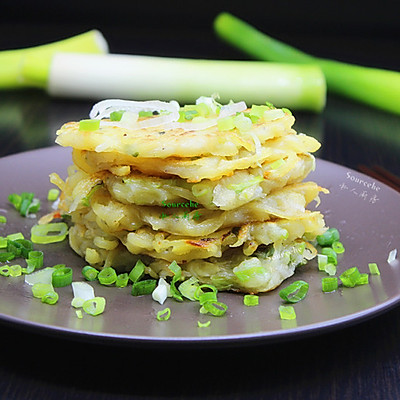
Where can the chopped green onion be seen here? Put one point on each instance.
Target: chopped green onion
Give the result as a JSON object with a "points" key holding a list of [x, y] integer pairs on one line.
{"points": [[122, 280], [15, 270], [90, 273], [52, 194], [350, 277], [62, 277], [294, 292], [40, 289], [15, 236], [144, 287], [200, 292], [137, 271], [242, 122], [117, 115], [26, 246], [35, 260], [329, 284], [177, 271], [77, 302], [189, 287], [50, 297], [322, 261], [7, 256], [239, 187], [287, 312], [226, 124], [3, 242], [338, 247], [49, 233], [44, 275], [3, 219], [14, 247], [363, 279], [89, 124], [215, 308], [330, 269], [277, 164], [373, 269], [79, 314], [5, 270], [331, 254], [250, 300], [107, 276], [203, 324], [329, 237], [164, 315], [94, 306], [93, 190]]}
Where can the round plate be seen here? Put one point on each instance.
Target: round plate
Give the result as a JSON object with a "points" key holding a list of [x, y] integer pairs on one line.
{"points": [[364, 210]]}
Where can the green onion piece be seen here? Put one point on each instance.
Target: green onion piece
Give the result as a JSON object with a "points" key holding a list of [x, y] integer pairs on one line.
{"points": [[189, 287], [329, 237], [137, 271], [226, 124], [89, 125], [62, 277], [164, 315], [143, 114], [93, 190], [50, 297], [117, 115], [203, 324], [79, 314], [94, 306], [3, 242], [177, 271], [26, 247], [199, 291], [242, 122], [277, 164], [322, 261], [215, 308], [7, 256], [363, 279], [15, 200], [330, 269], [122, 280], [207, 297], [40, 289], [15, 270], [52, 194], [5, 270], [77, 302], [331, 254], [294, 292], [14, 247], [287, 312], [373, 269], [144, 287], [239, 187], [35, 260], [338, 247], [107, 276], [49, 233], [329, 284], [250, 300], [90, 273], [3, 219], [15, 236], [26, 200], [350, 277]]}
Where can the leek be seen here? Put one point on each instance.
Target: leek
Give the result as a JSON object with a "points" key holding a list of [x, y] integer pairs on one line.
{"points": [[376, 87], [126, 76], [17, 67]]}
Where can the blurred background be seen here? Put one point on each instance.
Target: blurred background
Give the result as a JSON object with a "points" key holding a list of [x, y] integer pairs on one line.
{"points": [[359, 32]]}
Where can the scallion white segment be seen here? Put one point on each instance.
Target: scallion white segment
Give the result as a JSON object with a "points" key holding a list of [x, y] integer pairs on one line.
{"points": [[82, 290], [392, 256], [143, 77], [42, 276], [162, 291]]}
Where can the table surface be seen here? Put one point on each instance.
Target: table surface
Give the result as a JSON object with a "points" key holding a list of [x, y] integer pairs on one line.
{"points": [[356, 362]]}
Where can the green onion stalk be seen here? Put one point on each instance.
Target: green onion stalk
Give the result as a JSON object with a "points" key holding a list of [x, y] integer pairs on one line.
{"points": [[376, 87], [15, 64]]}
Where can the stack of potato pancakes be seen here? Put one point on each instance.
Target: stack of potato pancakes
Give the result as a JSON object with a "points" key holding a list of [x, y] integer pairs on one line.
{"points": [[217, 188]]}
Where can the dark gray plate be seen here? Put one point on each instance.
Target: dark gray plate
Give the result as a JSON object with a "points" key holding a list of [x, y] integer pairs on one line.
{"points": [[365, 211]]}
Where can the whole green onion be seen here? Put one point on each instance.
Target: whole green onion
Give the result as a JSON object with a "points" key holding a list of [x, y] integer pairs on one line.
{"points": [[90, 273], [294, 292], [107, 276], [62, 277], [376, 87]]}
